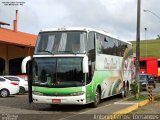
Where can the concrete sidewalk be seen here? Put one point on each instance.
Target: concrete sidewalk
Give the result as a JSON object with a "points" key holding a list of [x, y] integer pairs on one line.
{"points": [[153, 108], [120, 108], [110, 111]]}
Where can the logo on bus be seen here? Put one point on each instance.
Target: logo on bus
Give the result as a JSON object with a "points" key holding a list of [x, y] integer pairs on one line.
{"points": [[110, 64], [55, 93]]}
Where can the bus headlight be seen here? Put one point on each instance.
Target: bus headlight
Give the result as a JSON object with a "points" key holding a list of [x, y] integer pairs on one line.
{"points": [[77, 93], [38, 93]]}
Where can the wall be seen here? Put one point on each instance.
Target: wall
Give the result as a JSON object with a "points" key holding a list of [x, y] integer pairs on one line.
{"points": [[8, 52]]}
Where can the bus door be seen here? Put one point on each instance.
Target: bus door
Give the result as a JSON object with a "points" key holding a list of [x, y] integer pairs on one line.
{"points": [[89, 83]]}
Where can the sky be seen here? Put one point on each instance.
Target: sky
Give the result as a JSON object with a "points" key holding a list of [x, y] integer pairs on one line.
{"points": [[118, 17]]}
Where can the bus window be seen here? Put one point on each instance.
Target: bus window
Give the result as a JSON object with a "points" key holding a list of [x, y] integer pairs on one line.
{"points": [[91, 46], [110, 46], [123, 47]]}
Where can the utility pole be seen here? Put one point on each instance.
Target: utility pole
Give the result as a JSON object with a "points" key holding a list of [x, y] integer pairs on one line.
{"points": [[138, 46], [146, 39]]}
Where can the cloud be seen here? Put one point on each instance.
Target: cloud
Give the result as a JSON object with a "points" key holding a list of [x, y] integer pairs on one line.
{"points": [[115, 16]]}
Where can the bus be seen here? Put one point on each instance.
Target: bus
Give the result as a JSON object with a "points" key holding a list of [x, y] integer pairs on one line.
{"points": [[76, 65]]}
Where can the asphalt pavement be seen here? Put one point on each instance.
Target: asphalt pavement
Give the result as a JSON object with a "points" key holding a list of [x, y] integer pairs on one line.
{"points": [[18, 108]]}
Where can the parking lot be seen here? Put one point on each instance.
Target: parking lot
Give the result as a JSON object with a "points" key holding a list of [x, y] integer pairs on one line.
{"points": [[17, 107]]}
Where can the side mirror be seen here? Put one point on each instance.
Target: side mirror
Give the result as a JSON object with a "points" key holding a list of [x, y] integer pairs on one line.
{"points": [[24, 64], [85, 64]]}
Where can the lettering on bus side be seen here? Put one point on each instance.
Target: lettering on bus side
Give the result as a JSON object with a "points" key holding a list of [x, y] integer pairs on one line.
{"points": [[110, 64]]}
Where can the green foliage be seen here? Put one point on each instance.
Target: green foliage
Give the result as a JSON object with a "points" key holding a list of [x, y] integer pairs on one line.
{"points": [[141, 97], [148, 48], [134, 88]]}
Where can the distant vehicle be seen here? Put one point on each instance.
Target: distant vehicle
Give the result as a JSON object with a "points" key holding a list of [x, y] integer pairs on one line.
{"points": [[143, 81], [146, 80], [8, 87], [23, 84], [159, 69], [150, 66], [23, 76], [152, 81]]}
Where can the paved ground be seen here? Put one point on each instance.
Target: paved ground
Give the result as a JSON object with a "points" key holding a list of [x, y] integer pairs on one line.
{"points": [[147, 112], [17, 108], [153, 108]]}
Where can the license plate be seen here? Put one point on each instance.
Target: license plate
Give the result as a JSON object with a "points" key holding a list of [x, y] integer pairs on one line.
{"points": [[56, 100]]}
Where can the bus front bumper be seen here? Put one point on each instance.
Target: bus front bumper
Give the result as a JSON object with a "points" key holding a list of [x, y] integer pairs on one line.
{"points": [[77, 100]]}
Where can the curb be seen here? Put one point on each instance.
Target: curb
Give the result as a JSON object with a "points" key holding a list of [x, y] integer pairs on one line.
{"points": [[143, 103], [127, 110]]}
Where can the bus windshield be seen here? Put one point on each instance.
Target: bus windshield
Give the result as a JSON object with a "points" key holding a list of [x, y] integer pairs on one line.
{"points": [[61, 42], [58, 72]]}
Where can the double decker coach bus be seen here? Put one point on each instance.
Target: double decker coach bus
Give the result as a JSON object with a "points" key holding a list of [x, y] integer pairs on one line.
{"points": [[78, 66]]}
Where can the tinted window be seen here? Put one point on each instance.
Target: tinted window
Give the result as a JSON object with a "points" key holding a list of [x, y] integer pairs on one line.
{"points": [[158, 63], [1, 80], [58, 72], [91, 46], [12, 78], [61, 42], [122, 47], [143, 77], [110, 46], [99, 42], [142, 64]]}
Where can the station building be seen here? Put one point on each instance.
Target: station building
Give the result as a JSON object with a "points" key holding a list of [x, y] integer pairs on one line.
{"points": [[14, 47]]}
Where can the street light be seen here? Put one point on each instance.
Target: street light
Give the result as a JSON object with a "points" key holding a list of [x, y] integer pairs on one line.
{"points": [[152, 13]]}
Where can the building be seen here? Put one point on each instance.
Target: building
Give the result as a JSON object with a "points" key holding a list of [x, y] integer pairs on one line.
{"points": [[14, 47]]}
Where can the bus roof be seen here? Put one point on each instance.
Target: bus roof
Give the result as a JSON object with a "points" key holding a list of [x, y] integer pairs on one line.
{"points": [[87, 29]]}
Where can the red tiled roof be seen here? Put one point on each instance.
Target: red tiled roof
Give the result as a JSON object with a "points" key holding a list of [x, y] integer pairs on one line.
{"points": [[17, 38]]}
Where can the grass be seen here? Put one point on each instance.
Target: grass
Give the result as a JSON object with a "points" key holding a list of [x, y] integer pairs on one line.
{"points": [[141, 97], [148, 48]]}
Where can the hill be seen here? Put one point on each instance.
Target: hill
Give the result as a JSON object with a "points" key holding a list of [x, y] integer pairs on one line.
{"points": [[148, 48]]}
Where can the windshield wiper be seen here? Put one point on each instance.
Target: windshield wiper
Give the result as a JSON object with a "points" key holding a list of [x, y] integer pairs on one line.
{"points": [[48, 52], [72, 52]]}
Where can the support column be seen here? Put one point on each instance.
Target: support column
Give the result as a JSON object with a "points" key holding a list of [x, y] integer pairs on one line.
{"points": [[7, 61]]}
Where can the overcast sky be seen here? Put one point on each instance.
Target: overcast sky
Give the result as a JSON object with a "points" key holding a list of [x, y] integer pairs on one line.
{"points": [[117, 17]]}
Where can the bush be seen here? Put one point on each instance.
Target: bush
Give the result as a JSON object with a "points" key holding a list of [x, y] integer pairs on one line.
{"points": [[134, 88]]}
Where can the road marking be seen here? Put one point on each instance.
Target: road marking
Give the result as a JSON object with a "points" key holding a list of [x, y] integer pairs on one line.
{"points": [[125, 103], [84, 112]]}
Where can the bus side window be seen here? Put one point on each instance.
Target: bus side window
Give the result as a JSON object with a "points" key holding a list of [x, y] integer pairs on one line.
{"points": [[99, 39], [91, 46]]}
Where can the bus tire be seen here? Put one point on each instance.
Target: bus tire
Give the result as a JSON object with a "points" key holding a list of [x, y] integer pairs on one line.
{"points": [[124, 91], [123, 94], [127, 90], [97, 98]]}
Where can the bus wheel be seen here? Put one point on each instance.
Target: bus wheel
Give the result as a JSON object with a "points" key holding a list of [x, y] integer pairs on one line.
{"points": [[126, 90], [97, 98], [123, 93]]}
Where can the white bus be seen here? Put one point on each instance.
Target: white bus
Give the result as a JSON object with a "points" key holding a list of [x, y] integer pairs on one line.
{"points": [[79, 66]]}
